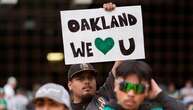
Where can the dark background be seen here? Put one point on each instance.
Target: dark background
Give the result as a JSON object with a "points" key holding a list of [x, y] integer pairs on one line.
{"points": [[31, 28]]}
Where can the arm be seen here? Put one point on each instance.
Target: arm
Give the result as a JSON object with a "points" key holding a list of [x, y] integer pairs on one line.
{"points": [[106, 92], [168, 103], [108, 87], [104, 95]]}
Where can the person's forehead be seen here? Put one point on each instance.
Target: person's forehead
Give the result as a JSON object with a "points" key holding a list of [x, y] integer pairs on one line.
{"points": [[134, 78], [45, 100], [49, 101]]}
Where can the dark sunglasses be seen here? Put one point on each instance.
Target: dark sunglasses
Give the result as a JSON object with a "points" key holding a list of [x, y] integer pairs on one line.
{"points": [[127, 86]]}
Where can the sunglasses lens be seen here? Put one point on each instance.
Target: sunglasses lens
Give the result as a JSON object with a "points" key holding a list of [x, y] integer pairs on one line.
{"points": [[127, 86], [140, 88]]}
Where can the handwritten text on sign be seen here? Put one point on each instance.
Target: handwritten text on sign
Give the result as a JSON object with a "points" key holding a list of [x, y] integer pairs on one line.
{"points": [[96, 35]]}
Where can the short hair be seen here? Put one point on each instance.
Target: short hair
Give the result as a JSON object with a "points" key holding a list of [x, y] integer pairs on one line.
{"points": [[139, 68]]}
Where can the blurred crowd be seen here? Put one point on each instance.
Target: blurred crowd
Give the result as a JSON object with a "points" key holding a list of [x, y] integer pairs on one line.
{"points": [[20, 99], [184, 94]]}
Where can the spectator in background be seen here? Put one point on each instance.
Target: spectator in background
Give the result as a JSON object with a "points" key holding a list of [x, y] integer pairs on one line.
{"points": [[52, 97], [31, 94], [171, 89], [3, 103], [19, 101], [9, 87], [187, 92]]}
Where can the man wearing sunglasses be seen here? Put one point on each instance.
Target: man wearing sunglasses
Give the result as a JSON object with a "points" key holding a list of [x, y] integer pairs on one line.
{"points": [[133, 84]]}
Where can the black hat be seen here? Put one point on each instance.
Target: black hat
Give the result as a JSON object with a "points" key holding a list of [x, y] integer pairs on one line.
{"points": [[79, 68]]}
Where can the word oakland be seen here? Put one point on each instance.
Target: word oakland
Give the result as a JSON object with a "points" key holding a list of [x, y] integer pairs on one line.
{"points": [[92, 23]]}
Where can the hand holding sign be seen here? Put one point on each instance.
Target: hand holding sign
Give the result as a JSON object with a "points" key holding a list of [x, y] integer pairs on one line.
{"points": [[96, 35], [109, 6]]}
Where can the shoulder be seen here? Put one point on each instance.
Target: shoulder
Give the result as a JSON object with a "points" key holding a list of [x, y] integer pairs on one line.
{"points": [[151, 105]]}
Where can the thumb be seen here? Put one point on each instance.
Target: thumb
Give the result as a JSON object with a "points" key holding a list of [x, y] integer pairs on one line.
{"points": [[155, 89]]}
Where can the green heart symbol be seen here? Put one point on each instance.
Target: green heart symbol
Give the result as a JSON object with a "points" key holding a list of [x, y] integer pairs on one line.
{"points": [[104, 45]]}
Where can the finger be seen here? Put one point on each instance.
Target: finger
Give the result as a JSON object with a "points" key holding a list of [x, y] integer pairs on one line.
{"points": [[114, 6], [156, 89], [111, 6], [105, 6], [108, 7], [153, 83]]}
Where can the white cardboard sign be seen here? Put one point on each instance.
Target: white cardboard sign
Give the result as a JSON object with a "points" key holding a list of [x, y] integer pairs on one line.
{"points": [[96, 35]]}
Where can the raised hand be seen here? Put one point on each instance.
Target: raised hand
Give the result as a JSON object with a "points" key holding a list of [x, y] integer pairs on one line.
{"points": [[155, 90], [109, 6]]}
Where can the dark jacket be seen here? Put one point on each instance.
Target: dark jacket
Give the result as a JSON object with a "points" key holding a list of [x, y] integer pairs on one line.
{"points": [[104, 95], [105, 92], [80, 106], [162, 102]]}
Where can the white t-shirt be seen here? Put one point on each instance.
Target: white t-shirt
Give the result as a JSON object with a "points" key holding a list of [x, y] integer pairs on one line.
{"points": [[18, 102], [187, 94], [9, 91]]}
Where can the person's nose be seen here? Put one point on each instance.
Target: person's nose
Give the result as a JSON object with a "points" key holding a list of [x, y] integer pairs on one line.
{"points": [[87, 81], [45, 108], [131, 93]]}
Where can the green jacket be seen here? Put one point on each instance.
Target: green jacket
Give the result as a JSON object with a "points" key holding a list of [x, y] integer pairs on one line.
{"points": [[3, 103]]}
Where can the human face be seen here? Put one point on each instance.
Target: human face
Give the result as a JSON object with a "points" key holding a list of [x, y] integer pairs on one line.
{"points": [[83, 84], [48, 104], [130, 100]]}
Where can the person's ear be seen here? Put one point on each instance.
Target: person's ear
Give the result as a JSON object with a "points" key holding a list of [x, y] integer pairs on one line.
{"points": [[69, 85], [116, 83], [147, 93], [115, 86]]}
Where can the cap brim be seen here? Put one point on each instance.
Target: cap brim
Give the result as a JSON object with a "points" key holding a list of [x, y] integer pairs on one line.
{"points": [[38, 98], [64, 103], [78, 72]]}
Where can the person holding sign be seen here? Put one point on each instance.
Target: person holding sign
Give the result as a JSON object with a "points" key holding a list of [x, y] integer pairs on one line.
{"points": [[82, 83], [133, 84], [82, 86]]}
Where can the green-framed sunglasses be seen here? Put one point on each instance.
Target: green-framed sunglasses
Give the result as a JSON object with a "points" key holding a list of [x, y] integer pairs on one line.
{"points": [[127, 86]]}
